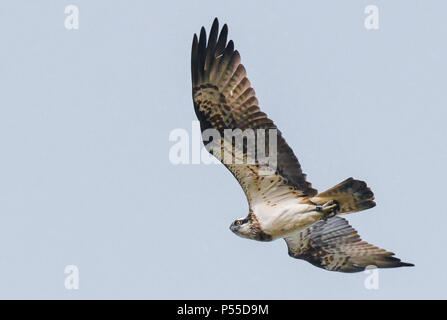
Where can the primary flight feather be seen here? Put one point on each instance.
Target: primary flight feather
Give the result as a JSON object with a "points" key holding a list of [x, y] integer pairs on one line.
{"points": [[282, 203]]}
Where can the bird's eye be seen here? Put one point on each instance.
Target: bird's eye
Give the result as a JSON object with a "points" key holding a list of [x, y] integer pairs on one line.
{"points": [[238, 222]]}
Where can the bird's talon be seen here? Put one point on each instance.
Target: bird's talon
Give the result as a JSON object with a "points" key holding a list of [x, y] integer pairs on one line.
{"points": [[329, 209]]}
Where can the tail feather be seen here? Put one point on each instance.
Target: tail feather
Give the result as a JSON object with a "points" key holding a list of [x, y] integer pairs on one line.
{"points": [[351, 195]]}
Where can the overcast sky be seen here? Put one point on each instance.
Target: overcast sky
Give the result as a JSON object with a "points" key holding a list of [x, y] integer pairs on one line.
{"points": [[85, 116]]}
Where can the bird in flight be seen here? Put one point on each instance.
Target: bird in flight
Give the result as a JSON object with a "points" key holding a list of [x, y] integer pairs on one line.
{"points": [[282, 204]]}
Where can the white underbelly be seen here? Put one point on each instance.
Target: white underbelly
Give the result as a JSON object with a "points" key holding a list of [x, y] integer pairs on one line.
{"points": [[285, 217]]}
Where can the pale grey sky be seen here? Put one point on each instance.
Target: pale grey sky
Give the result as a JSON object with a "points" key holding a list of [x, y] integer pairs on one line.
{"points": [[85, 116]]}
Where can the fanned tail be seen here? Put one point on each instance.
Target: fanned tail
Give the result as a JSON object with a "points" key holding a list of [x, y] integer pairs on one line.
{"points": [[351, 195]]}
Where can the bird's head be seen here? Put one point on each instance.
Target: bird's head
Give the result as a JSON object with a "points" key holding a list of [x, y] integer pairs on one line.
{"points": [[243, 228]]}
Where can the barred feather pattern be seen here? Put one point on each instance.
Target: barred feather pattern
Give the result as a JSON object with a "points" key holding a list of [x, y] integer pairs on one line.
{"points": [[334, 245], [224, 99]]}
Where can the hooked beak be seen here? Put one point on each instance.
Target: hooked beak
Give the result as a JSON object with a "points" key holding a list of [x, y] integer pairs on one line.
{"points": [[234, 228]]}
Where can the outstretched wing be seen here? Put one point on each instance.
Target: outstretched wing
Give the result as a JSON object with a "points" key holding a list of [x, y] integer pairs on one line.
{"points": [[334, 245], [224, 99]]}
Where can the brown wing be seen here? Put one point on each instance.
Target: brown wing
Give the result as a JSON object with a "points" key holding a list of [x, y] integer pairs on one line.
{"points": [[224, 99], [334, 245]]}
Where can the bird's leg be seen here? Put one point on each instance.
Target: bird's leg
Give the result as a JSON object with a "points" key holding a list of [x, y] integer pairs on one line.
{"points": [[329, 209]]}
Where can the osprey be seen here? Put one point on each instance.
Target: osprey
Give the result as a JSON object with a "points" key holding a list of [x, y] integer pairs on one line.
{"points": [[282, 204]]}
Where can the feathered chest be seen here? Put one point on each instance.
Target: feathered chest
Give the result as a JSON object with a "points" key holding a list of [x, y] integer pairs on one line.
{"points": [[285, 217]]}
